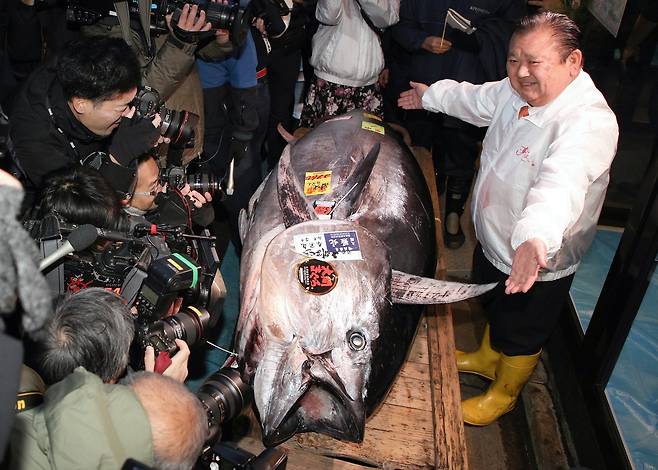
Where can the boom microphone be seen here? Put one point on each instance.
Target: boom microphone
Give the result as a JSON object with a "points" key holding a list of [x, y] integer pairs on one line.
{"points": [[79, 239]]}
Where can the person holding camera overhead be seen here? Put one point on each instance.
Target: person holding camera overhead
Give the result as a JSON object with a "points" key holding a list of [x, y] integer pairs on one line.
{"points": [[167, 52]]}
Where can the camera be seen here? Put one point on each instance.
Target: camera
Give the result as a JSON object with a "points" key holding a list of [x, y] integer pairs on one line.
{"points": [[178, 126], [177, 177], [189, 325], [220, 16], [223, 396]]}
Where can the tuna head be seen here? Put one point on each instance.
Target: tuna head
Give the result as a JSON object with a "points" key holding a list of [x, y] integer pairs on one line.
{"points": [[318, 319]]}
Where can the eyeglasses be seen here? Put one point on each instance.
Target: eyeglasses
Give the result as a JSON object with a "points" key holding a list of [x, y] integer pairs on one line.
{"points": [[147, 193], [153, 192]]}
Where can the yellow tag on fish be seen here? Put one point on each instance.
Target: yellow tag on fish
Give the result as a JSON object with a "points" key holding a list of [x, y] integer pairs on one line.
{"points": [[372, 116], [371, 126], [317, 182]]}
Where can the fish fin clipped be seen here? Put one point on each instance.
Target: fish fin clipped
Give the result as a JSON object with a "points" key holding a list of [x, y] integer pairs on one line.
{"points": [[294, 206], [409, 289]]}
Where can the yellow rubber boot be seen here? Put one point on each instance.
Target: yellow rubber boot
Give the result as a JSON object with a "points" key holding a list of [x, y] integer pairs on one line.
{"points": [[482, 362], [512, 374]]}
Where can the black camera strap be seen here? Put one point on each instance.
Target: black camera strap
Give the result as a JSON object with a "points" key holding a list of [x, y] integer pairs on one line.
{"points": [[49, 108]]}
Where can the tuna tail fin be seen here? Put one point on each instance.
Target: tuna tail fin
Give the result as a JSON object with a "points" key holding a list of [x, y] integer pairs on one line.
{"points": [[409, 289]]}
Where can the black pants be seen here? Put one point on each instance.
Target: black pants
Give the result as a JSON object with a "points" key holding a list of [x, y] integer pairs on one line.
{"points": [[282, 73], [520, 323], [220, 105]]}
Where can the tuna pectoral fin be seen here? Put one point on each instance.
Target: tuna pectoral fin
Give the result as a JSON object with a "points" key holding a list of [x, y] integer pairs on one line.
{"points": [[410, 289]]}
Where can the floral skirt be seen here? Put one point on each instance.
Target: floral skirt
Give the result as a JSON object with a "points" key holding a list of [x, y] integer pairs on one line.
{"points": [[326, 99]]}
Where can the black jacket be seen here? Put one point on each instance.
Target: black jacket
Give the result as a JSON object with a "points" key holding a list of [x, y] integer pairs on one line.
{"points": [[38, 148], [475, 58]]}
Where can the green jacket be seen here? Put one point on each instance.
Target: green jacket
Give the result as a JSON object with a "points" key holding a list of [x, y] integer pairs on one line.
{"points": [[82, 424]]}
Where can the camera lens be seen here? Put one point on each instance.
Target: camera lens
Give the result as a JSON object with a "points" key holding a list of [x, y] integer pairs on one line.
{"points": [[221, 16], [203, 182], [189, 324], [177, 125], [223, 395]]}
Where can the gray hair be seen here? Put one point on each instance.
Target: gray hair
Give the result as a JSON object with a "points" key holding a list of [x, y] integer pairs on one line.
{"points": [[92, 328], [565, 30], [179, 426]]}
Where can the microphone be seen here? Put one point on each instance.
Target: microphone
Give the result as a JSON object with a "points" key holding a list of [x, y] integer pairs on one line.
{"points": [[79, 239]]}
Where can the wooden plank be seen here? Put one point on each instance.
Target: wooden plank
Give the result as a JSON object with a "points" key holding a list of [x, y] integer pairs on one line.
{"points": [[449, 439]]}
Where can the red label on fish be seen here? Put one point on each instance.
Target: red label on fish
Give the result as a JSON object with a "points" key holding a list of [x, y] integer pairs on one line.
{"points": [[317, 276]]}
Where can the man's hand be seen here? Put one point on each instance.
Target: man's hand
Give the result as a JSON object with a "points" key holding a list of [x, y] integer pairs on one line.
{"points": [[134, 137], [259, 23], [529, 257], [196, 197], [189, 21], [177, 370], [413, 99], [436, 45]]}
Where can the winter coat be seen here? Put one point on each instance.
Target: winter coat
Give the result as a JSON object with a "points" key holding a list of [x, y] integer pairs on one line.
{"points": [[475, 58], [82, 424], [346, 50]]}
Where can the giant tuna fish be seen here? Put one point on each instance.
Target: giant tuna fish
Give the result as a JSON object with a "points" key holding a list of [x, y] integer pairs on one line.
{"points": [[334, 242]]}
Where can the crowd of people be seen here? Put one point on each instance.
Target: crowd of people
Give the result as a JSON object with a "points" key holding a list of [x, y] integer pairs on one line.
{"points": [[500, 87]]}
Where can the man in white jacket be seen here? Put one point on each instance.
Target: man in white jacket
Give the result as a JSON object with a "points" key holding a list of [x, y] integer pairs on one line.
{"points": [[543, 174]]}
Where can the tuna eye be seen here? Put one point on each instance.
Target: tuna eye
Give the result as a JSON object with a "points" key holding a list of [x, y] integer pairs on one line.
{"points": [[356, 340]]}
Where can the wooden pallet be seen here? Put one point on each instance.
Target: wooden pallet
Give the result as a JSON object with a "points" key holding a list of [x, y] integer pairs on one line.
{"points": [[419, 425]]}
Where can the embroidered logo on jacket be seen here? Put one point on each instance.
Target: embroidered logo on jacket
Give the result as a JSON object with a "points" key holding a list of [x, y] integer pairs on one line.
{"points": [[523, 153]]}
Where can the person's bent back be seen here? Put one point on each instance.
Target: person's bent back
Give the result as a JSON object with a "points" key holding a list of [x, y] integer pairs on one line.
{"points": [[85, 424]]}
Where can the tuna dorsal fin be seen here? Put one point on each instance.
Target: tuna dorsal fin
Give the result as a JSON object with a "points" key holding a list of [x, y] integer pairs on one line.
{"points": [[350, 189], [410, 289], [294, 205]]}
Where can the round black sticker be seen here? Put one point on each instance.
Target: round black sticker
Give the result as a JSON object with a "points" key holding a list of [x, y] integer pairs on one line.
{"points": [[317, 276]]}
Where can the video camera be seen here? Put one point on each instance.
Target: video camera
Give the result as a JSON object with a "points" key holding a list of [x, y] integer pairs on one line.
{"points": [[126, 264]]}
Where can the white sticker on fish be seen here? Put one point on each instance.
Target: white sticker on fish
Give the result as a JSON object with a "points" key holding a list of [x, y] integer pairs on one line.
{"points": [[340, 246]]}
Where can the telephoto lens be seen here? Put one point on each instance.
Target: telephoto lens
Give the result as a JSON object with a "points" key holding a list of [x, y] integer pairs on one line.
{"points": [[223, 395], [189, 324], [178, 126], [203, 182]]}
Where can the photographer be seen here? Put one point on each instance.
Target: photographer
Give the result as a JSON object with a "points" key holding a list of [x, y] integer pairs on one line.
{"points": [[85, 423], [150, 201], [167, 57], [78, 107], [94, 329], [81, 195]]}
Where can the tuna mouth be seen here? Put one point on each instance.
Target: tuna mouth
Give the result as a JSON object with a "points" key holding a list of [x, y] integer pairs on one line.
{"points": [[320, 409]]}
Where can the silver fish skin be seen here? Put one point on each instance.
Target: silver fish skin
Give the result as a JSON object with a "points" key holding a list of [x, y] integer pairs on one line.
{"points": [[323, 363]]}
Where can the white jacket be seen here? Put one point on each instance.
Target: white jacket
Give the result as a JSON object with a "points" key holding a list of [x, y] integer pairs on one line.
{"points": [[345, 49], [542, 176]]}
